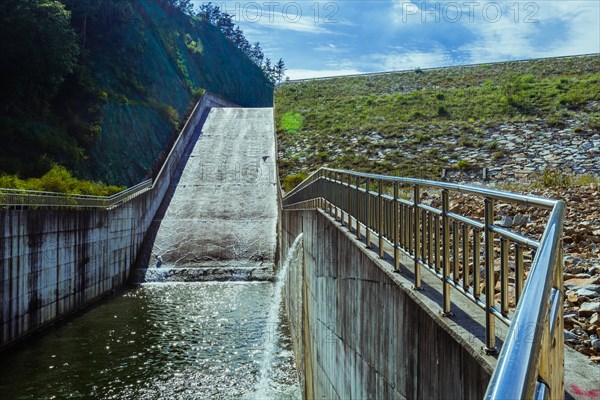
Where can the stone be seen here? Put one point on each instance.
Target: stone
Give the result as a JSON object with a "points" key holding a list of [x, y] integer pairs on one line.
{"points": [[587, 293], [594, 288], [570, 336], [588, 309], [521, 219], [572, 297], [596, 345], [577, 281], [506, 222], [595, 319]]}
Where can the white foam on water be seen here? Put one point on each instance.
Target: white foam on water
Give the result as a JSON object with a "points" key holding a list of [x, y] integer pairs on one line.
{"points": [[266, 387]]}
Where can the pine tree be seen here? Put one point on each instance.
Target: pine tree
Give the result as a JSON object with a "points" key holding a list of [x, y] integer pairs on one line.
{"points": [[279, 71]]}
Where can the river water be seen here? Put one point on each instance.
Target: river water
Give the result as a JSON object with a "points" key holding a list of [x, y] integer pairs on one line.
{"points": [[162, 341]]}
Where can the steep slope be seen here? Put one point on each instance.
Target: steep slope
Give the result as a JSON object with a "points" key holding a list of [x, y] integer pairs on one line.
{"points": [[164, 73], [142, 65]]}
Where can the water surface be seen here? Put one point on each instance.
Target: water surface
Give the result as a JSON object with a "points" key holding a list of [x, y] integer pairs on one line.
{"points": [[161, 341]]}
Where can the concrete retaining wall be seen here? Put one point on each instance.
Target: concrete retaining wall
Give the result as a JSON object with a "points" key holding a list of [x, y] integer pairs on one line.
{"points": [[361, 329], [53, 262]]}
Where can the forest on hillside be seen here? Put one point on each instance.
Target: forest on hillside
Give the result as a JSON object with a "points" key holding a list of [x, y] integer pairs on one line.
{"points": [[99, 87]]}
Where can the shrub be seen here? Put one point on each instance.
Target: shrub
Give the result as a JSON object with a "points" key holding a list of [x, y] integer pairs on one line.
{"points": [[198, 92], [422, 137], [59, 180], [555, 179], [555, 121], [497, 155], [291, 181], [442, 112], [292, 122], [594, 123], [463, 164]]}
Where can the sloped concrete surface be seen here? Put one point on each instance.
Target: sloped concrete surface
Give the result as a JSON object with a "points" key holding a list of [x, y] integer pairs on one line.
{"points": [[222, 216]]}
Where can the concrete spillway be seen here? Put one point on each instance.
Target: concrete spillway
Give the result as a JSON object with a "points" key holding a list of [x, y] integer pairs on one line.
{"points": [[221, 220]]}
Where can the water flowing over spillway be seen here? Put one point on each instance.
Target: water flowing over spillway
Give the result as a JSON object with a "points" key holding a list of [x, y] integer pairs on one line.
{"points": [[220, 222]]}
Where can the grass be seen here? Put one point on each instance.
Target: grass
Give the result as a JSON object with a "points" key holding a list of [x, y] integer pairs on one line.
{"points": [[551, 179], [410, 123]]}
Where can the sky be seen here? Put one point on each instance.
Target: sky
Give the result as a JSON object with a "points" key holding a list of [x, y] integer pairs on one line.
{"points": [[329, 38]]}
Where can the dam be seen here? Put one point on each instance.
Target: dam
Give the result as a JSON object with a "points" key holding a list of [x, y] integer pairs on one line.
{"points": [[349, 286]]}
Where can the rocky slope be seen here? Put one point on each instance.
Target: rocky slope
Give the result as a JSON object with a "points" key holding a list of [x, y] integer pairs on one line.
{"points": [[582, 255]]}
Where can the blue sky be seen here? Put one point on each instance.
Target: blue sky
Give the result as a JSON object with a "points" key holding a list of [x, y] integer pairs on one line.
{"points": [[326, 38]]}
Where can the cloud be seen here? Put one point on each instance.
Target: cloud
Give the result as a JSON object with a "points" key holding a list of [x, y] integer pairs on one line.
{"points": [[330, 48], [493, 31], [319, 73], [412, 59], [285, 16]]}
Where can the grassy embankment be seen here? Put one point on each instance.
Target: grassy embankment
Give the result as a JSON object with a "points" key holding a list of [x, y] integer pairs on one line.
{"points": [[409, 123]]}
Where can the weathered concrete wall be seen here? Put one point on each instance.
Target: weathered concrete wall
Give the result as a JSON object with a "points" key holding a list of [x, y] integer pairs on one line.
{"points": [[53, 262], [365, 332]]}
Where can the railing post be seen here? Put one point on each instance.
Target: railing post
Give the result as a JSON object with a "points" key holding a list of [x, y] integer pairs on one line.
{"points": [[436, 243], [336, 195], [465, 257], [455, 244], [504, 276], [380, 206], [368, 213], [350, 205], [396, 229], [430, 241], [446, 252], [417, 197], [357, 216], [401, 224], [341, 197], [490, 284], [558, 381], [519, 273], [476, 263]]}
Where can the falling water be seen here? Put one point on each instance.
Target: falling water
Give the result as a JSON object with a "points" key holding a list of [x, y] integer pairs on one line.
{"points": [[266, 387]]}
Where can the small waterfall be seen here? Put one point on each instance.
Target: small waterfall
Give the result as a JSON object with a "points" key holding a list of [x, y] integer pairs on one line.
{"points": [[264, 389]]}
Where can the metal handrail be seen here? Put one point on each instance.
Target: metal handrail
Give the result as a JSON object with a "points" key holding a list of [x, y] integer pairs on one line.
{"points": [[448, 245]]}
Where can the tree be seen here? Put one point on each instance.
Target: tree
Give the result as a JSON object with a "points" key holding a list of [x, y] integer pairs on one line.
{"points": [[268, 70], [279, 71], [226, 25], [185, 6], [209, 12], [39, 48]]}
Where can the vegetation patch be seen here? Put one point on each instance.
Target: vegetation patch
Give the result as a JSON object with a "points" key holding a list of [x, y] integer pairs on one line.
{"points": [[291, 122], [415, 123], [59, 180]]}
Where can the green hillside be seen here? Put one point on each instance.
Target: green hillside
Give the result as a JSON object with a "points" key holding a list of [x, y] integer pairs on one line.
{"points": [[415, 123], [122, 93]]}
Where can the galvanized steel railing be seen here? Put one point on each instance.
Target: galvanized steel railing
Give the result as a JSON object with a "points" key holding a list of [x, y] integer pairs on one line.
{"points": [[453, 247], [32, 198]]}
